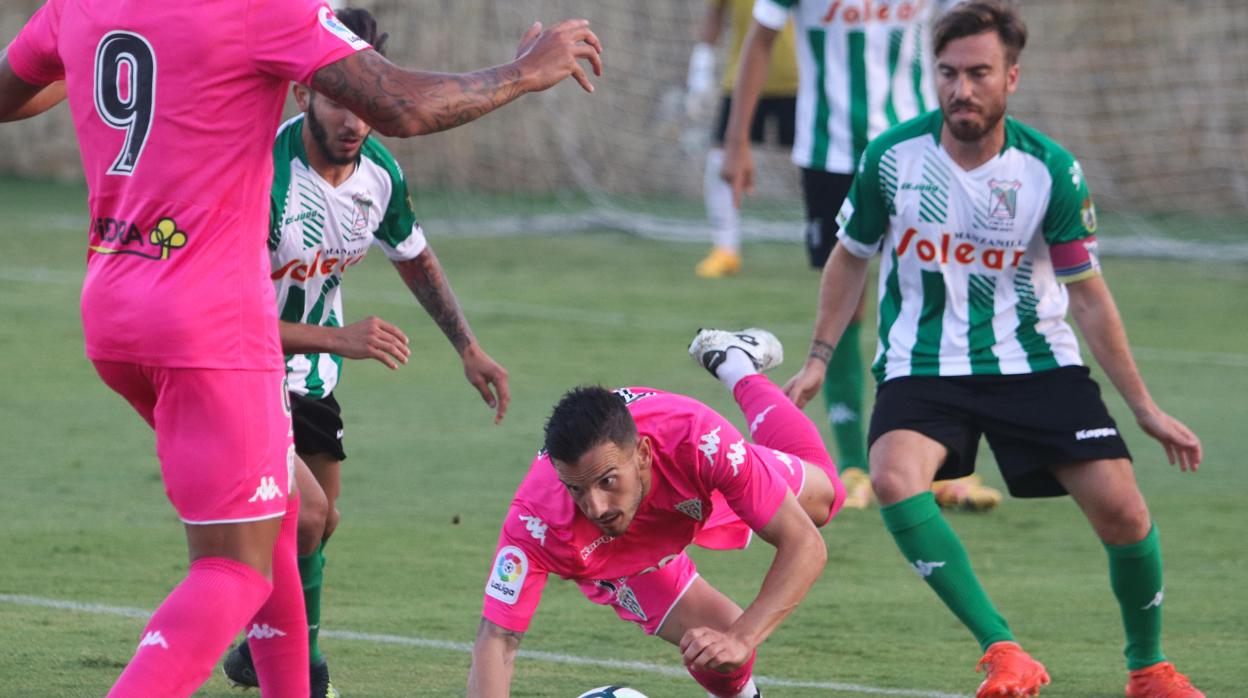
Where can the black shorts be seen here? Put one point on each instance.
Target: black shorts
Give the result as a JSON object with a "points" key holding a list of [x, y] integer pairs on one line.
{"points": [[1033, 422], [318, 425], [782, 111], [824, 192]]}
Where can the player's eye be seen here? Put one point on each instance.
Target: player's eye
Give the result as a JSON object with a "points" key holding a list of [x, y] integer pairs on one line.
{"points": [[608, 482]]}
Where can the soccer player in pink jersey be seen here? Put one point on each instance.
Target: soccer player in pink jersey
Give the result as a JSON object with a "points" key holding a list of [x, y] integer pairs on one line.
{"points": [[628, 479], [175, 105]]}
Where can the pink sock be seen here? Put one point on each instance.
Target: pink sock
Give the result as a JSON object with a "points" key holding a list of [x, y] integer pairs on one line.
{"points": [[278, 634], [192, 629], [775, 422], [725, 685]]}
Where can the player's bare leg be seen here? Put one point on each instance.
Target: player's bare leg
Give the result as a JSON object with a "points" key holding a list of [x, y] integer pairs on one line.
{"points": [[903, 464], [704, 606], [1107, 493]]}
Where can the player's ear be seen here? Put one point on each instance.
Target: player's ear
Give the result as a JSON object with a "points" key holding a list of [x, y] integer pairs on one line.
{"points": [[303, 96], [1011, 78], [645, 453]]}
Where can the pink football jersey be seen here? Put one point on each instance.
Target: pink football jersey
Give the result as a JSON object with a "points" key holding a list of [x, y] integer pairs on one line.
{"points": [[175, 105], [700, 459]]}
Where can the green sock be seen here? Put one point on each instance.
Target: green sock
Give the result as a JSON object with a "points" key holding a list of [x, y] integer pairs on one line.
{"points": [[842, 392], [935, 553], [1135, 577], [311, 571]]}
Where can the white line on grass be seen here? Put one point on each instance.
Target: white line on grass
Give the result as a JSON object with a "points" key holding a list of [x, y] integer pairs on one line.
{"points": [[466, 648], [536, 311]]}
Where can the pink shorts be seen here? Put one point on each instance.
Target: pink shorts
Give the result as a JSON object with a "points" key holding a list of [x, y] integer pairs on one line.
{"points": [[723, 530], [223, 437], [648, 597]]}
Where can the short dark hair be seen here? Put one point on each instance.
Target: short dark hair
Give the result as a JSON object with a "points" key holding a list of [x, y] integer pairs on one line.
{"points": [[585, 417], [364, 25], [978, 16]]}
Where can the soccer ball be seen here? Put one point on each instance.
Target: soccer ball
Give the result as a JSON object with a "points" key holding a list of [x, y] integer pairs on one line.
{"points": [[612, 692]]}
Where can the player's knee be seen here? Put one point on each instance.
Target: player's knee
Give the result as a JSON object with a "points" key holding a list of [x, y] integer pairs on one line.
{"points": [[331, 523], [313, 518], [1124, 522]]}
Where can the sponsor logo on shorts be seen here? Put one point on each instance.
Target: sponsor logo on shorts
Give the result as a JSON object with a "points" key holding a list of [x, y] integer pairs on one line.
{"points": [[710, 444], [589, 549], [267, 490], [264, 631], [153, 639], [786, 459], [115, 236], [1102, 433], [340, 30], [536, 528], [691, 508], [736, 456], [507, 576], [925, 569]]}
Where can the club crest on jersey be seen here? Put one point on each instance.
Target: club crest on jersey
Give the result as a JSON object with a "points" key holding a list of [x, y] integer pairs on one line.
{"points": [[624, 597], [359, 221], [1087, 215], [1003, 202], [691, 508], [114, 236]]}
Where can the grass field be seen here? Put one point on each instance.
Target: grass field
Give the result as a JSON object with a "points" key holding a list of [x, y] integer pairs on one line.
{"points": [[85, 519]]}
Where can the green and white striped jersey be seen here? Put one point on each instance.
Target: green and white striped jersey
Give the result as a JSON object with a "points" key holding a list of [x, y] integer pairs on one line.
{"points": [[317, 231], [863, 66], [967, 283]]}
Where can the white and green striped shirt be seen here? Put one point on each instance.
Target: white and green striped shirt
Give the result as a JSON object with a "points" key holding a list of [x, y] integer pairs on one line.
{"points": [[863, 66], [317, 231], [967, 283]]}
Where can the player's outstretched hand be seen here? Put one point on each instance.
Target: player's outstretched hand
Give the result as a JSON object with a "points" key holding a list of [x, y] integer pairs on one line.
{"points": [[712, 650], [1181, 444], [550, 56], [738, 170], [373, 338], [806, 384], [489, 378]]}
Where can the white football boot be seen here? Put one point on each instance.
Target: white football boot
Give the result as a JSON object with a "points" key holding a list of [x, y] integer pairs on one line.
{"points": [[709, 348]]}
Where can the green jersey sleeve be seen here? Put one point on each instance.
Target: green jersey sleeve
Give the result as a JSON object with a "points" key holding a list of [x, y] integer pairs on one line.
{"points": [[1071, 215], [863, 218], [399, 234]]}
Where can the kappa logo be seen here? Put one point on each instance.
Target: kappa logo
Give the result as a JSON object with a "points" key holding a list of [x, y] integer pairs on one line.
{"points": [[691, 508], [840, 413], [264, 631], [786, 459], [710, 444], [1004, 197], [267, 490], [1102, 433], [925, 569], [1156, 602], [1076, 174], [536, 528], [758, 419], [153, 639], [736, 456]]}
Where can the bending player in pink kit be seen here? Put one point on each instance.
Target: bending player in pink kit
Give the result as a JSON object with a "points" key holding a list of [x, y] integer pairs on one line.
{"points": [[175, 106], [628, 479]]}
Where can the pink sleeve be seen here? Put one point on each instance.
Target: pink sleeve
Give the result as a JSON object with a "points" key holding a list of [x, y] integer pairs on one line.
{"points": [[292, 39], [729, 464], [517, 577], [33, 54]]}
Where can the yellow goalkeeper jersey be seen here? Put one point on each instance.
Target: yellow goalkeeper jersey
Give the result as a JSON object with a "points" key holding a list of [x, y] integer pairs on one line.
{"points": [[782, 75]]}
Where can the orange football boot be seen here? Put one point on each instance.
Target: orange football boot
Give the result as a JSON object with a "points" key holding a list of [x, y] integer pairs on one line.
{"points": [[1011, 672], [1161, 680]]}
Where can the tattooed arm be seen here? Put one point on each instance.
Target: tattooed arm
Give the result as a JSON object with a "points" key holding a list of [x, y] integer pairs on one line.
{"points": [[427, 280], [493, 661], [399, 102]]}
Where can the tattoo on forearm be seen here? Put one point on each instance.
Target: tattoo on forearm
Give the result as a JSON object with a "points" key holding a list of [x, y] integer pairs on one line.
{"points": [[401, 102], [821, 350], [424, 276]]}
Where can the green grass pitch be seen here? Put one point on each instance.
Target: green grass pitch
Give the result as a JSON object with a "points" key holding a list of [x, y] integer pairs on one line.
{"points": [[85, 519]]}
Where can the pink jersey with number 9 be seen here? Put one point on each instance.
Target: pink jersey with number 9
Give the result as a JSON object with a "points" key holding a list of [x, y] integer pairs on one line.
{"points": [[175, 105]]}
